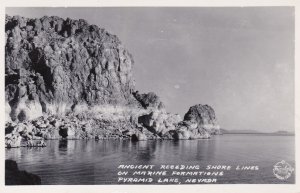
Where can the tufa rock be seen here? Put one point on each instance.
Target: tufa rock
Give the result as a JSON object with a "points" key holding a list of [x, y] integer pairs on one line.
{"points": [[159, 122], [52, 64], [149, 100], [65, 79], [204, 116], [199, 123]]}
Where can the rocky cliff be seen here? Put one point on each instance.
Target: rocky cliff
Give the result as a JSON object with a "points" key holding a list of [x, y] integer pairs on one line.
{"points": [[52, 65], [68, 79]]}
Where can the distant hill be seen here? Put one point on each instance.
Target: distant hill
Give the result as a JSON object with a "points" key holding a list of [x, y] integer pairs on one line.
{"points": [[226, 131]]}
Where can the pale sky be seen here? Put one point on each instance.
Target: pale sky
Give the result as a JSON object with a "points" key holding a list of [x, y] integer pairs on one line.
{"points": [[240, 61]]}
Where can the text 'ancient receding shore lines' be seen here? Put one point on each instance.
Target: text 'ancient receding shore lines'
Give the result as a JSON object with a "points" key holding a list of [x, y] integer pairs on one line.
{"points": [[179, 174]]}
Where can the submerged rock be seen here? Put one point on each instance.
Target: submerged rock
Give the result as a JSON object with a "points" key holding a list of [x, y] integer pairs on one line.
{"points": [[13, 176]]}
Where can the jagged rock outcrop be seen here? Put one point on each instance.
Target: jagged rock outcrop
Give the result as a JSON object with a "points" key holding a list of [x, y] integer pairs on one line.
{"points": [[199, 122], [190, 130], [23, 135], [204, 116], [158, 122], [52, 64], [13, 176], [149, 100]]}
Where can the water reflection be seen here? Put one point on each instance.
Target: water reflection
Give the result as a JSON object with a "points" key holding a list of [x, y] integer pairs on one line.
{"points": [[96, 162], [63, 145], [205, 150], [145, 150]]}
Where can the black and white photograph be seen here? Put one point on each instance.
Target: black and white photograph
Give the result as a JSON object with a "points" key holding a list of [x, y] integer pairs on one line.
{"points": [[149, 95]]}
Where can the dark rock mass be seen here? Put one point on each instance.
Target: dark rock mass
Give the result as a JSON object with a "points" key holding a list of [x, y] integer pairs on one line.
{"points": [[13, 176], [149, 100], [52, 65]]}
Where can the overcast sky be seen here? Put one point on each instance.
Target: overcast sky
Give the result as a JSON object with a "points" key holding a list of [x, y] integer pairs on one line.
{"points": [[240, 61]]}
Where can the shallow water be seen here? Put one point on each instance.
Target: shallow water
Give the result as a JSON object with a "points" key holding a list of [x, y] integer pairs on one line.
{"points": [[96, 162]]}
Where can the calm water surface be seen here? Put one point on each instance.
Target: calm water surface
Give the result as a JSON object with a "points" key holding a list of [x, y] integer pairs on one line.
{"points": [[96, 162]]}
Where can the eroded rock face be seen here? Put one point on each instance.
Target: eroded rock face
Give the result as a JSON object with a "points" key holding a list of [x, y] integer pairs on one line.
{"points": [[52, 64], [25, 134], [199, 122], [149, 100], [159, 122], [203, 115], [190, 130]]}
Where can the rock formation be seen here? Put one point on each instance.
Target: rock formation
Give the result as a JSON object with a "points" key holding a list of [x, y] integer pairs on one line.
{"points": [[13, 176], [159, 123], [149, 100], [204, 116], [52, 65], [199, 122], [66, 79]]}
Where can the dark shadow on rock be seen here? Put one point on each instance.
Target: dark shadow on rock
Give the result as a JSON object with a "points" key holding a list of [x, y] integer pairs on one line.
{"points": [[134, 138]]}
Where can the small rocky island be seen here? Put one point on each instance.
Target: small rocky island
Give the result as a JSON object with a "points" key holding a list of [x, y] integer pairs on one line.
{"points": [[66, 79]]}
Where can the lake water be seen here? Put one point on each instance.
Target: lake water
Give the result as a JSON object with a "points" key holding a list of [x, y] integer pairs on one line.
{"points": [[96, 162]]}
